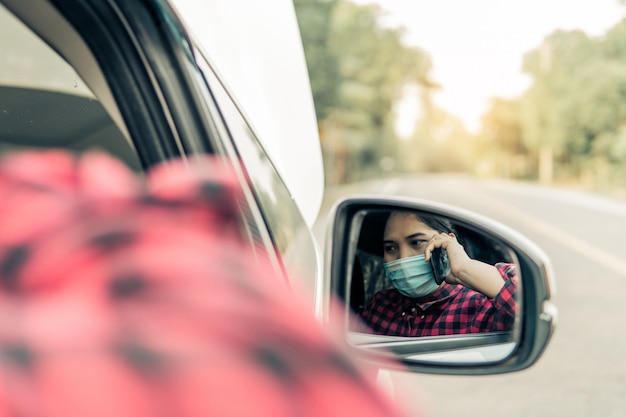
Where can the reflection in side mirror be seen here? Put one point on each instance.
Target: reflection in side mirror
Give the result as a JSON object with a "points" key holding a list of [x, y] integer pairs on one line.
{"points": [[440, 288], [395, 287]]}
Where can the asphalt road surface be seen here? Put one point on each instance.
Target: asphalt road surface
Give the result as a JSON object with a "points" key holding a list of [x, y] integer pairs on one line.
{"points": [[583, 371]]}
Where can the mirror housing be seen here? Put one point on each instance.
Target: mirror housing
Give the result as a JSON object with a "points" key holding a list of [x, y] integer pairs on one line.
{"points": [[499, 352]]}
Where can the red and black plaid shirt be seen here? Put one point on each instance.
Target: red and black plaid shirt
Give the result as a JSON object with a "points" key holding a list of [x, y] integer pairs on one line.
{"points": [[135, 299], [452, 309]]}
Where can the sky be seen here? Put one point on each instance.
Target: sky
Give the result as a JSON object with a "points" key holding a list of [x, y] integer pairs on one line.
{"points": [[477, 46]]}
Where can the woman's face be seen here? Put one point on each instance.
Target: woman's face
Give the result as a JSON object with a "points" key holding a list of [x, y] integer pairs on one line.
{"points": [[405, 236]]}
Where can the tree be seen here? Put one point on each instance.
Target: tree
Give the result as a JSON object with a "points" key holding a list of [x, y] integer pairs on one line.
{"points": [[502, 138], [358, 69], [440, 144], [553, 67], [314, 19], [575, 110]]}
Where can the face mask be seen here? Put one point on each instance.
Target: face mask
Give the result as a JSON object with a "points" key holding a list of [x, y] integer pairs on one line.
{"points": [[412, 276]]}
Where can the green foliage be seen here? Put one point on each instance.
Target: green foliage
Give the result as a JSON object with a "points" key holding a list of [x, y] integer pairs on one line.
{"points": [[314, 18], [357, 69], [440, 144], [575, 107], [504, 152], [554, 66], [572, 118], [502, 126]]}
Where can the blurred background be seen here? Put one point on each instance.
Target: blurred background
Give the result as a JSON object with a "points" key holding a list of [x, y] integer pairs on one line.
{"points": [[512, 109], [532, 91]]}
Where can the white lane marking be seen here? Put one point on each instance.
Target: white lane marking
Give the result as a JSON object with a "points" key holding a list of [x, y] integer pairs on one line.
{"points": [[579, 198], [587, 250]]}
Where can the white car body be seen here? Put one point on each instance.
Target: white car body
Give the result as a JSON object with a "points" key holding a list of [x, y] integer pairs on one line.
{"points": [[257, 48]]}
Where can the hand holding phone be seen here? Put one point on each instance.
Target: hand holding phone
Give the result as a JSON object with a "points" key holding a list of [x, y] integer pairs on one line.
{"points": [[441, 265]]}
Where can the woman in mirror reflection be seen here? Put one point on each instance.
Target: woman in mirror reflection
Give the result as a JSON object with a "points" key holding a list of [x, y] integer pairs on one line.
{"points": [[473, 297]]}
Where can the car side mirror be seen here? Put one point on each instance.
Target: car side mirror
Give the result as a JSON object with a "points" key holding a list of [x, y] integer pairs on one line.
{"points": [[494, 334]]}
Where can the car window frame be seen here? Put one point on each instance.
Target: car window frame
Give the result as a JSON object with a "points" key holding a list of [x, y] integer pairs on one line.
{"points": [[139, 58], [303, 272]]}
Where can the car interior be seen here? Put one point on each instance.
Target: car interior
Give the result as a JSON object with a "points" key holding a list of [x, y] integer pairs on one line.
{"points": [[44, 103], [368, 276], [40, 119]]}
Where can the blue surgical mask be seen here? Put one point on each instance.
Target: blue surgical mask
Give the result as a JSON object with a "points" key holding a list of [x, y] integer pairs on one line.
{"points": [[412, 276]]}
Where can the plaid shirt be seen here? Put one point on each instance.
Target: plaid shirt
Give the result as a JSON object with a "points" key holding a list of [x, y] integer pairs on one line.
{"points": [[127, 299], [452, 309]]}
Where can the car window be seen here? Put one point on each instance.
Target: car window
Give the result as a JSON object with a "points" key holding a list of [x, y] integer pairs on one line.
{"points": [[290, 234], [44, 103]]}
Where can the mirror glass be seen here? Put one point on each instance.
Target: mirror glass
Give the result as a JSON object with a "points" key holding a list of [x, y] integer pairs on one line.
{"points": [[431, 288]]}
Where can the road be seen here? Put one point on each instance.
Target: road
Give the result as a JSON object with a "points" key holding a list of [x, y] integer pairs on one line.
{"points": [[583, 371]]}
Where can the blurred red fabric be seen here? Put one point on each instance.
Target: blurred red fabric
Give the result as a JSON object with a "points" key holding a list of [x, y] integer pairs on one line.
{"points": [[128, 297]]}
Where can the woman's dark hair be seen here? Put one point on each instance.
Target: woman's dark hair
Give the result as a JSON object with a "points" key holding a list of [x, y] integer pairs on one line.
{"points": [[375, 224], [440, 224]]}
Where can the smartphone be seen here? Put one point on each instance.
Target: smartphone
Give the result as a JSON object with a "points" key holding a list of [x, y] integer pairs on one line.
{"points": [[440, 264]]}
